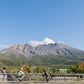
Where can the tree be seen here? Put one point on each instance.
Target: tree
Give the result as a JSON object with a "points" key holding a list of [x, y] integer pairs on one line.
{"points": [[79, 68]]}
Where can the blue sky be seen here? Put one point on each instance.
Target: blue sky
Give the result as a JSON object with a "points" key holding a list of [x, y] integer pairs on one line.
{"points": [[23, 21]]}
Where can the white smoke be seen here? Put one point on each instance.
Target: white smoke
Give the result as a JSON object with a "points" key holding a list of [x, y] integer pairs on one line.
{"points": [[45, 41]]}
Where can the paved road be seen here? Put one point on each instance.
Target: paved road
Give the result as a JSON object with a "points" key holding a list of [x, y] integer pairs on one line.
{"points": [[42, 83]]}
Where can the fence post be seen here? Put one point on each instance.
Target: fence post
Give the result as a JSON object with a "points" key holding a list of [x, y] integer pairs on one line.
{"points": [[65, 77], [78, 78]]}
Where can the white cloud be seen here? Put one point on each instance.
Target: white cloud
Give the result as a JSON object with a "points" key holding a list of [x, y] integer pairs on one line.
{"points": [[4, 46], [45, 41]]}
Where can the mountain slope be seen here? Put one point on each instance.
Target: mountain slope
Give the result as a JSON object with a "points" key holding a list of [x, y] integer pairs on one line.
{"points": [[50, 49]]}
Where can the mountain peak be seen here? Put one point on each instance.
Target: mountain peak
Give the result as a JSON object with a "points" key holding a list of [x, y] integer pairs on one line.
{"points": [[45, 49]]}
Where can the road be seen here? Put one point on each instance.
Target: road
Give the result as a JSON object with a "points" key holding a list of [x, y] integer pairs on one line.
{"points": [[62, 82]]}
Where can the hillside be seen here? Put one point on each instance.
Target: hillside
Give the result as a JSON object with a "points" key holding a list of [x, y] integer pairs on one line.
{"points": [[57, 61]]}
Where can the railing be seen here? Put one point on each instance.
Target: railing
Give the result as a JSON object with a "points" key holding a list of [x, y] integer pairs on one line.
{"points": [[41, 77]]}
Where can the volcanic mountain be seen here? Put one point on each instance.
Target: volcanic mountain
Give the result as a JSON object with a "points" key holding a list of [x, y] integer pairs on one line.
{"points": [[58, 49]]}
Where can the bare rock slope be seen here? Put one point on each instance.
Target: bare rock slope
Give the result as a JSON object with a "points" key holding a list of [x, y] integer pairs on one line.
{"points": [[50, 49]]}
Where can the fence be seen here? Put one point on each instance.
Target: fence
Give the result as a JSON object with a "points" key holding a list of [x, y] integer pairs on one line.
{"points": [[41, 77]]}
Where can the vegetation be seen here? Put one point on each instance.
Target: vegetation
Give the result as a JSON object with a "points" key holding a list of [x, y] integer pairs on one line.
{"points": [[36, 64], [57, 61], [79, 68]]}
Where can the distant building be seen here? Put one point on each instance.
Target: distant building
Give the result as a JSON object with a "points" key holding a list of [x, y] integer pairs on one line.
{"points": [[62, 70], [3, 76]]}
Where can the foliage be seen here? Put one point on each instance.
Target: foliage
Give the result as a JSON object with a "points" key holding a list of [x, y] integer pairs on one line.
{"points": [[26, 68], [43, 61], [38, 70], [76, 69]]}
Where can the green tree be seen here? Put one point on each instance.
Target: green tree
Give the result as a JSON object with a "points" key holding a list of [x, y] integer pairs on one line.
{"points": [[75, 69], [38, 70]]}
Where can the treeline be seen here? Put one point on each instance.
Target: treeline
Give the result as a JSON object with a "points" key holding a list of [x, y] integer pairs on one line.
{"points": [[57, 61], [38, 63], [52, 60]]}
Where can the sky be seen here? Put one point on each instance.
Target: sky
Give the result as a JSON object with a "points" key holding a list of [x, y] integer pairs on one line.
{"points": [[41, 22]]}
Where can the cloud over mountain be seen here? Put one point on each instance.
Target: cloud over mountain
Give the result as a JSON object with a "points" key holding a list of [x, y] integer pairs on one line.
{"points": [[45, 41]]}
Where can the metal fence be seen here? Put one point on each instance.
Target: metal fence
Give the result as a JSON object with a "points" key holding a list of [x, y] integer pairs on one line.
{"points": [[41, 77]]}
